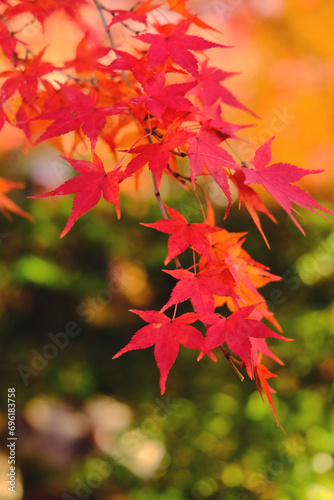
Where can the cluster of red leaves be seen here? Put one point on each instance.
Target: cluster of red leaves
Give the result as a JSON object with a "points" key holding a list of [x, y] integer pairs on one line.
{"points": [[166, 91]]}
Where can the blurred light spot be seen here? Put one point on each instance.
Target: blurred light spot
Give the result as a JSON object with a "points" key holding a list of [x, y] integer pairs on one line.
{"points": [[109, 417], [218, 426], [206, 442], [141, 455], [224, 403], [232, 476], [55, 417], [302, 468], [204, 488], [322, 462], [255, 409], [318, 492], [132, 281]]}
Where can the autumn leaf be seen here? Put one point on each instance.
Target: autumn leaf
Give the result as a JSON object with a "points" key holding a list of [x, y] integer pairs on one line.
{"points": [[262, 374], [180, 7], [157, 154], [26, 80], [236, 331], [210, 89], [252, 201], [86, 57], [204, 151], [183, 234], [277, 179], [93, 183], [7, 40], [166, 335], [137, 14], [42, 10], [158, 97], [200, 288], [82, 110], [6, 204], [172, 42]]}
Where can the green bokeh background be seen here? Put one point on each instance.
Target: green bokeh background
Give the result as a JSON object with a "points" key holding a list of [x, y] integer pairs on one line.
{"points": [[216, 437]]}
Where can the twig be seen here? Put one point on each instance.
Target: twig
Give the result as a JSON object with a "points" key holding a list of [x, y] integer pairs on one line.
{"points": [[100, 8]]}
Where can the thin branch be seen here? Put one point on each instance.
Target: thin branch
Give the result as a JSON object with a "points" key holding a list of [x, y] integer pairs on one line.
{"points": [[100, 8]]}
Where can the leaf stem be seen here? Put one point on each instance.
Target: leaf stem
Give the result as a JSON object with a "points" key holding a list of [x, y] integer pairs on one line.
{"points": [[231, 359]]}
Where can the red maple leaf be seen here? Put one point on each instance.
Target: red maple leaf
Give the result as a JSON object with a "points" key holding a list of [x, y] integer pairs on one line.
{"points": [[173, 42], [82, 110], [137, 14], [158, 97], [236, 331], [93, 183], [210, 89], [6, 204], [157, 154], [26, 80], [86, 57], [262, 374], [200, 288], [204, 151], [277, 179], [252, 201], [183, 234], [180, 7], [7, 40], [126, 61], [41, 9], [166, 335]]}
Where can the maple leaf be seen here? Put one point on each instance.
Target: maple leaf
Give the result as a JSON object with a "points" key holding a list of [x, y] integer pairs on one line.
{"points": [[236, 331], [262, 374], [26, 81], [157, 154], [183, 234], [166, 335], [246, 274], [6, 204], [158, 97], [137, 14], [81, 111], [204, 150], [180, 7], [200, 288], [210, 89], [252, 201], [277, 179], [93, 183], [41, 9], [227, 129], [173, 42], [125, 61], [86, 57], [7, 41]]}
